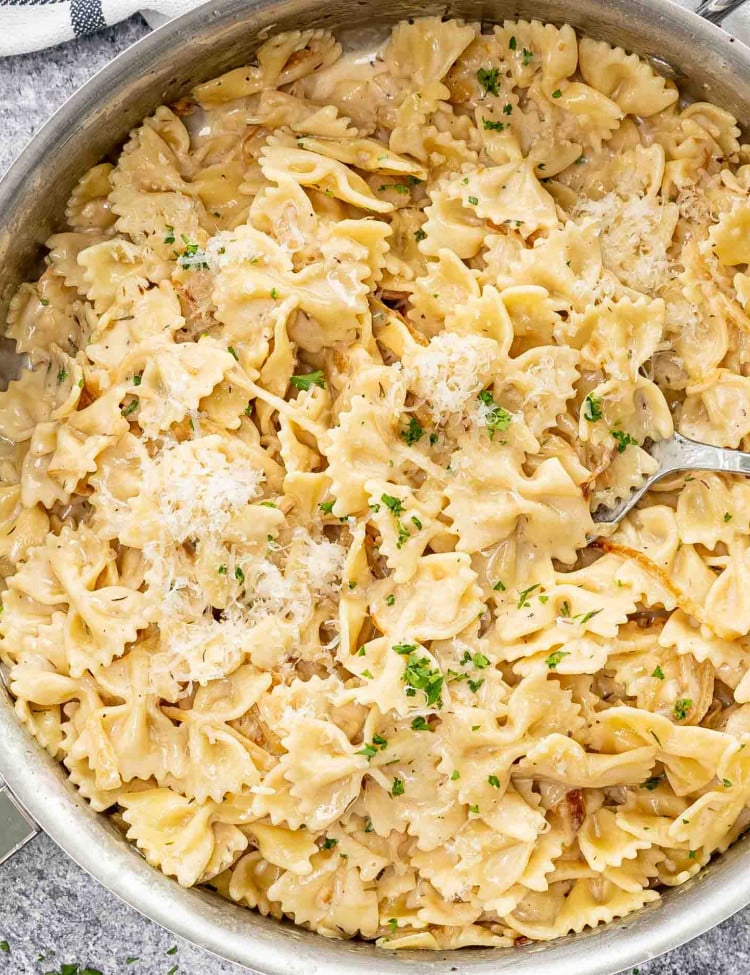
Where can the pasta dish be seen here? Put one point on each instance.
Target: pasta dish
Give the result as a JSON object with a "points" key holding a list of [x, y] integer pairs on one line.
{"points": [[323, 380]]}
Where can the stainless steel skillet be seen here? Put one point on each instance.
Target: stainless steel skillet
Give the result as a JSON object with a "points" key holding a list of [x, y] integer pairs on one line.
{"points": [[222, 34]]}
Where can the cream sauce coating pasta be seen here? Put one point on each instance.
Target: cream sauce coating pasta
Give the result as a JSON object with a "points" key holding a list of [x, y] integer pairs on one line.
{"points": [[325, 376]]}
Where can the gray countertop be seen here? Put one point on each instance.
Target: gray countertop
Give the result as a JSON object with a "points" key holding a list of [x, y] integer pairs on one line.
{"points": [[51, 913]]}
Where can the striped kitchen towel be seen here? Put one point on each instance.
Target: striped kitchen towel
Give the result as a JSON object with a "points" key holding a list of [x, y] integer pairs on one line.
{"points": [[28, 25]]}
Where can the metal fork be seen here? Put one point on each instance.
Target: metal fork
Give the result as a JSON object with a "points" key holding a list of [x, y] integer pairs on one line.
{"points": [[676, 454]]}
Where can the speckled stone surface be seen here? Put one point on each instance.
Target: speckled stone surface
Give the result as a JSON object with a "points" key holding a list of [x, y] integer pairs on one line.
{"points": [[51, 913]]}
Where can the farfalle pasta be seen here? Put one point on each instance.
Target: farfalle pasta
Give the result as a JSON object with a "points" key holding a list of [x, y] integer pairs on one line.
{"points": [[324, 379]]}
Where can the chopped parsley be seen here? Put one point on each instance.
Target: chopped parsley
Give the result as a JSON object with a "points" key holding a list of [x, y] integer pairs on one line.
{"points": [[405, 648], [137, 379], [397, 789], [554, 658], [499, 586], [416, 522], [727, 516], [480, 661], [527, 57], [392, 924], [474, 685], [4, 946], [420, 675], [368, 825], [308, 380], [329, 842], [494, 126], [169, 235], [651, 783], [222, 570], [681, 707], [239, 575], [192, 256], [419, 235], [455, 775], [507, 109], [420, 724], [658, 673], [494, 781], [497, 419], [413, 433], [474, 809], [592, 408], [473, 200], [131, 407], [274, 294], [172, 950], [557, 93], [489, 79], [326, 507], [403, 535], [394, 504], [512, 43], [390, 599], [522, 603], [623, 440], [62, 375], [691, 854], [727, 783], [233, 352]]}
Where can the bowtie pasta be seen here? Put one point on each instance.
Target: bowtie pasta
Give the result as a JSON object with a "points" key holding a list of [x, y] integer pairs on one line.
{"points": [[325, 377]]}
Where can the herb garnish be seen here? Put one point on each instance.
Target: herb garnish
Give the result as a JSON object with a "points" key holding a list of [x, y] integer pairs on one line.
{"points": [[308, 380]]}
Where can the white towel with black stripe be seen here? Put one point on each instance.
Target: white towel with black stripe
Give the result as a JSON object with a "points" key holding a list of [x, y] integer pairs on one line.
{"points": [[29, 25]]}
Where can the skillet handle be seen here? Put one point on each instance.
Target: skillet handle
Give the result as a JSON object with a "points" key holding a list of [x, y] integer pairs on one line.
{"points": [[16, 826], [717, 10]]}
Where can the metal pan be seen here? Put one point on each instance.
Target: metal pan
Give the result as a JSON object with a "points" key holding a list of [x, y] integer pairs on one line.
{"points": [[709, 65]]}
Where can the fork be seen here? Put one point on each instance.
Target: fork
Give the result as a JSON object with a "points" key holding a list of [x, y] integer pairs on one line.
{"points": [[676, 454]]}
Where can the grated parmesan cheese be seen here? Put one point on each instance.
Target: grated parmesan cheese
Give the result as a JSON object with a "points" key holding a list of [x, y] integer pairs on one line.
{"points": [[636, 235], [199, 488], [451, 370]]}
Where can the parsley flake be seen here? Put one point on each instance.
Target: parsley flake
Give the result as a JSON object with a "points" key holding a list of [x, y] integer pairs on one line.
{"points": [[557, 93], [326, 507], [420, 724], [414, 432], [420, 675], [496, 417], [592, 408], [397, 789], [329, 842], [489, 79], [623, 439], [681, 707], [494, 781], [308, 380], [494, 126], [473, 200], [419, 235], [390, 599], [455, 775], [394, 504], [554, 658], [658, 673], [526, 592]]}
